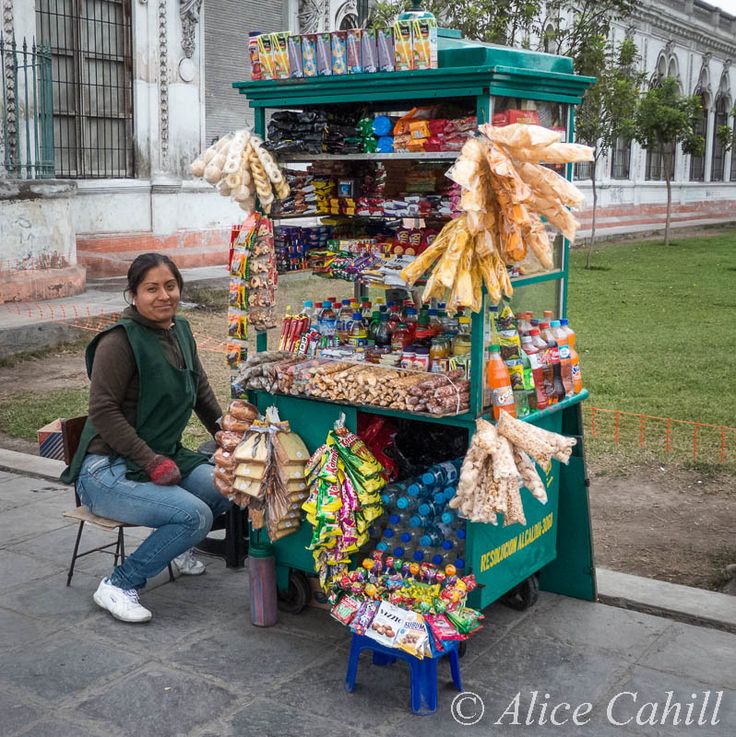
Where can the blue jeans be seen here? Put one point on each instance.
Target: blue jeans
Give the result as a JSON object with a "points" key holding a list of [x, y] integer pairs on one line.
{"points": [[181, 515]]}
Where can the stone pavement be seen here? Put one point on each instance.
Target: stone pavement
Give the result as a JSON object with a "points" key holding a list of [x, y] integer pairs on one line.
{"points": [[200, 669]]}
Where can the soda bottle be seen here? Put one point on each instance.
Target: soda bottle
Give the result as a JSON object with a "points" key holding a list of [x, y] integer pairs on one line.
{"points": [[558, 388], [366, 312], [327, 323], [374, 324], [358, 334], [533, 356], [548, 315], [529, 386], [563, 346], [549, 352], [394, 315], [383, 332], [577, 377], [342, 323], [497, 376]]}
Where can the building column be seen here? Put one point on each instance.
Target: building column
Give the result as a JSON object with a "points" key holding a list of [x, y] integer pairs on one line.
{"points": [[729, 153], [709, 141]]}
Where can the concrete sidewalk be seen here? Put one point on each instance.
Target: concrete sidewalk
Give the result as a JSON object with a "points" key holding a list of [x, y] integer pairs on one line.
{"points": [[199, 669]]}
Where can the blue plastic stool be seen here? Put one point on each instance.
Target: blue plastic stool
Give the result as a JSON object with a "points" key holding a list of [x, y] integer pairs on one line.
{"points": [[423, 673]]}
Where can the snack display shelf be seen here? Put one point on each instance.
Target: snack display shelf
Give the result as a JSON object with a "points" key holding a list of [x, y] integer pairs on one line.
{"points": [[507, 82], [302, 158]]}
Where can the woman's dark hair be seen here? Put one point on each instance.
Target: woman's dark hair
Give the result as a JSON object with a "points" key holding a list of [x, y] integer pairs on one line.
{"points": [[141, 266]]}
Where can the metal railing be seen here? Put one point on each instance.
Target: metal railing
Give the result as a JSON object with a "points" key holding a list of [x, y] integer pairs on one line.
{"points": [[27, 140]]}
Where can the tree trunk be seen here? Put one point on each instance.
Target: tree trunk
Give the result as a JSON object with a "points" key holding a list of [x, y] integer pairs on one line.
{"points": [[595, 208], [667, 176]]}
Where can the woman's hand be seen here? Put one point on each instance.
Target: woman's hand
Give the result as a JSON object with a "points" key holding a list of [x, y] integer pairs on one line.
{"points": [[163, 471]]}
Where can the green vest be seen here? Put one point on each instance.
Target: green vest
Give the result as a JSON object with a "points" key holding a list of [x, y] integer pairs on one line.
{"points": [[166, 398]]}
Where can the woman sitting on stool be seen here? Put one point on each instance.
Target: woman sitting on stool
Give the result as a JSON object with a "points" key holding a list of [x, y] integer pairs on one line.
{"points": [[146, 379]]}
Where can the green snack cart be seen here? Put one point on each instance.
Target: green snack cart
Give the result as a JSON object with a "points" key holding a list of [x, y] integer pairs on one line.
{"points": [[499, 85]]}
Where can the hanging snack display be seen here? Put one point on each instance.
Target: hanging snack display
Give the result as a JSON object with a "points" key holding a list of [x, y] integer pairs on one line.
{"points": [[262, 468], [506, 191], [239, 167], [497, 465], [344, 479]]}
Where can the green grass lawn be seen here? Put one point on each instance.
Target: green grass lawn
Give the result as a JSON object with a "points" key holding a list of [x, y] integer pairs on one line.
{"points": [[656, 327]]}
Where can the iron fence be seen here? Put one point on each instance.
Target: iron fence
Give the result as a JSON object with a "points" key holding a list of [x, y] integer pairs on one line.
{"points": [[27, 142]]}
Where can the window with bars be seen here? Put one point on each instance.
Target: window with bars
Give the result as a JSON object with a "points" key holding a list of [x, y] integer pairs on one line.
{"points": [[582, 171], [717, 173], [654, 170], [697, 163], [621, 159], [92, 78]]}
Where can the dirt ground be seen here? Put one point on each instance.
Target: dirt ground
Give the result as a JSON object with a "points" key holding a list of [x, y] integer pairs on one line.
{"points": [[666, 522]]}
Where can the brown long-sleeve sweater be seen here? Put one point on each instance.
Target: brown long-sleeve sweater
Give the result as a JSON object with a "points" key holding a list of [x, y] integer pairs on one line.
{"points": [[113, 396]]}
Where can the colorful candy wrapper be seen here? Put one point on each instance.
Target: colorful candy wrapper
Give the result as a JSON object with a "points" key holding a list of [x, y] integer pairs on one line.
{"points": [[294, 47], [345, 609], [237, 324], [403, 52], [355, 65], [235, 354], [324, 55], [465, 620], [442, 629], [280, 53], [309, 55], [368, 51], [364, 616], [339, 52], [236, 293], [386, 624], [385, 49]]}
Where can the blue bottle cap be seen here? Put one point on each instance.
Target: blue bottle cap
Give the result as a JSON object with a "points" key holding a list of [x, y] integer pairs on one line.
{"points": [[447, 545], [428, 479], [406, 537], [382, 546], [460, 534], [388, 533], [424, 509], [418, 556], [439, 498], [448, 518], [449, 492], [460, 563], [564, 322], [399, 551], [394, 519], [413, 490], [425, 541], [402, 502], [386, 499], [437, 559], [415, 521]]}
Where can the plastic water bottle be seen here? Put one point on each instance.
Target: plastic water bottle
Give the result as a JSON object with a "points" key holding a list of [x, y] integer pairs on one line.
{"points": [[431, 539], [407, 504], [398, 520], [409, 538], [441, 474], [399, 551], [418, 520], [429, 509], [420, 490]]}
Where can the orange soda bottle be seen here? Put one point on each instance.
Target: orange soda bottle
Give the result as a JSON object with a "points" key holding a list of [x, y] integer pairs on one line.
{"points": [[497, 376], [577, 377]]}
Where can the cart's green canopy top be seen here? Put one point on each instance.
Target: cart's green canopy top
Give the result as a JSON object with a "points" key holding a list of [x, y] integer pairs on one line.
{"points": [[466, 69]]}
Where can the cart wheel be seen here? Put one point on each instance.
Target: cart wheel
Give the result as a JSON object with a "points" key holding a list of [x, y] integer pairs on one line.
{"points": [[462, 648], [524, 595], [297, 596]]}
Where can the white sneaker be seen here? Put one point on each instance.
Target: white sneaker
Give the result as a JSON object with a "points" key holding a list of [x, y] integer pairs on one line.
{"points": [[121, 603], [188, 565]]}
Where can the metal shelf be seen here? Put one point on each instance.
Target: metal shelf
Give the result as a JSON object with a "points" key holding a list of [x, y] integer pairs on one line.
{"points": [[306, 158]]}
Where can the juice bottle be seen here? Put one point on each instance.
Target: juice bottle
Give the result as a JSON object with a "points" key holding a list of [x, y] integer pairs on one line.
{"points": [[497, 376], [374, 325], [577, 377], [549, 315], [383, 332], [358, 333], [344, 319], [400, 337], [394, 316], [534, 356], [563, 346], [434, 322]]}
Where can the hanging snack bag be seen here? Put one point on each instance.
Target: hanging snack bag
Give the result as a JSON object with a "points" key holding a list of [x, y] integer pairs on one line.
{"points": [[368, 51], [339, 40], [280, 53], [294, 47], [355, 65], [324, 55], [412, 636], [265, 56], [403, 53], [385, 49], [309, 55], [424, 43], [255, 61]]}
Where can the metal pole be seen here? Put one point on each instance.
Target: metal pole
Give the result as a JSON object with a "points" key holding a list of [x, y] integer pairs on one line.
{"points": [[36, 115], [26, 115]]}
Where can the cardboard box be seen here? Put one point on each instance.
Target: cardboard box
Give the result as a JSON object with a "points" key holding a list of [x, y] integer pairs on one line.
{"points": [[50, 441]]}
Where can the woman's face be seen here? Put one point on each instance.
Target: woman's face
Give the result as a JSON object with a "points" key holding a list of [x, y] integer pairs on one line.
{"points": [[157, 296]]}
